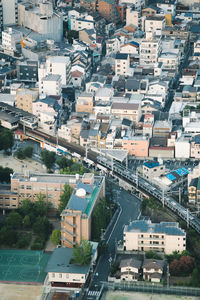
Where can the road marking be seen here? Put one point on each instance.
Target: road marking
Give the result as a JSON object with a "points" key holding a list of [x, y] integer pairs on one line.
{"points": [[115, 224]]}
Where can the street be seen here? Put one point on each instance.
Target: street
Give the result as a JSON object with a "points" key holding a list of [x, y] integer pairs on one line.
{"points": [[130, 209]]}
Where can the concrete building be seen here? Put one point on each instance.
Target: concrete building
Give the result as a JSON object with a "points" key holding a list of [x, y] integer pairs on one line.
{"points": [[162, 128], [25, 98], [164, 237], [63, 274], [56, 65], [27, 71], [153, 270], [137, 146], [77, 216], [108, 10], [47, 104], [41, 18], [10, 38], [152, 169], [195, 147], [84, 103], [150, 49], [155, 24], [182, 147], [125, 109], [132, 17], [86, 22], [122, 64], [50, 85], [9, 12]]}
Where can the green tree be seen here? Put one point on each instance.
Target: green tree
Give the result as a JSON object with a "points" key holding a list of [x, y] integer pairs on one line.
{"points": [[28, 151], [100, 219], [26, 208], [5, 174], [195, 278], [14, 220], [42, 227], [20, 153], [64, 198], [82, 254], [48, 158], [63, 162], [27, 222], [40, 207], [55, 236], [6, 139]]}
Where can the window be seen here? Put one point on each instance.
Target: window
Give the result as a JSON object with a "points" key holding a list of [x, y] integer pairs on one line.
{"points": [[60, 275], [22, 187], [28, 187], [53, 275]]}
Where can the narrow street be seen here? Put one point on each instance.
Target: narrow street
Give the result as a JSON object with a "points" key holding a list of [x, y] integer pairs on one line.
{"points": [[130, 210]]}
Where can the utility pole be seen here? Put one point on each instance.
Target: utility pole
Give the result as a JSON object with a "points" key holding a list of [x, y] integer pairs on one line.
{"points": [[137, 178], [188, 221], [86, 151], [179, 195], [163, 197], [112, 164], [127, 162]]}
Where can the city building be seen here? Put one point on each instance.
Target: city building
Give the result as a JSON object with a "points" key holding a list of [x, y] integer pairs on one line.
{"points": [[84, 103], [41, 18], [152, 169], [56, 65], [77, 216], [27, 71], [130, 269], [25, 98], [137, 146], [63, 274], [9, 9], [164, 237], [150, 49], [122, 64], [10, 39], [50, 85], [153, 270], [195, 147]]}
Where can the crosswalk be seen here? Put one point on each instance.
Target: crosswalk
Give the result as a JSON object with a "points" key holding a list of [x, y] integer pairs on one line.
{"points": [[93, 293]]}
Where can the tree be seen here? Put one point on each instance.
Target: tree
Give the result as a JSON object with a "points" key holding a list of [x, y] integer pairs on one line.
{"points": [[14, 220], [55, 236], [100, 219], [82, 254], [6, 139], [72, 35], [40, 208], [64, 198], [63, 162], [182, 266], [27, 222], [48, 158], [28, 151], [195, 278], [5, 174], [26, 208], [42, 227], [20, 153]]}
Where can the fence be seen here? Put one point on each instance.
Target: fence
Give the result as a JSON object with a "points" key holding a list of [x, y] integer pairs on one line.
{"points": [[152, 288]]}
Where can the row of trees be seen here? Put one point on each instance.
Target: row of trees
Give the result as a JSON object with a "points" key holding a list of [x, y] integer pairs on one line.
{"points": [[68, 166], [24, 153], [31, 217]]}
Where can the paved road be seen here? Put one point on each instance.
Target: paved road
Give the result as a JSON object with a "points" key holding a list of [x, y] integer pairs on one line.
{"points": [[130, 210]]}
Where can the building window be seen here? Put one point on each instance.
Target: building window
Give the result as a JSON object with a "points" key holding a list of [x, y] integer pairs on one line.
{"points": [[53, 275], [60, 275]]}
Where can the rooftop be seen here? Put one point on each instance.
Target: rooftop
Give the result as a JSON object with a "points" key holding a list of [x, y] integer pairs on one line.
{"points": [[177, 174], [151, 164], [169, 228]]}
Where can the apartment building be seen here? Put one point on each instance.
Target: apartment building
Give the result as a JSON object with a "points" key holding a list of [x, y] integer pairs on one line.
{"points": [[155, 24], [133, 17], [47, 104], [41, 18], [142, 235], [24, 99], [152, 169], [86, 22], [122, 64], [84, 103], [10, 38], [77, 216], [150, 49], [51, 84], [195, 147], [108, 10], [56, 65], [137, 146], [9, 12], [162, 128], [128, 110]]}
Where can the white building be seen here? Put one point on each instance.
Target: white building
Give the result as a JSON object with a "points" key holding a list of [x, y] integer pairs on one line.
{"points": [[56, 65], [41, 18], [168, 7], [182, 147], [150, 49], [10, 11], [197, 46], [164, 237], [155, 24], [122, 64], [130, 48], [10, 38], [113, 45], [86, 22], [132, 17], [50, 85], [169, 60]]}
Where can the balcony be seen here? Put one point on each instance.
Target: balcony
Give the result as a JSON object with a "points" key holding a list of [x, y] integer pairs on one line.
{"points": [[71, 233], [67, 240], [70, 224]]}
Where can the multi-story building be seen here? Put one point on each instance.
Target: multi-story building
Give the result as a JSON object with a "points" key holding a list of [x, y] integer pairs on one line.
{"points": [[8, 12], [25, 98], [164, 237], [128, 110], [47, 104], [84, 103], [41, 18], [50, 85], [10, 38], [108, 10], [195, 147], [27, 71], [155, 24], [150, 49], [30, 185], [152, 169], [137, 146], [56, 65], [162, 128], [133, 17], [76, 217], [122, 64]]}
